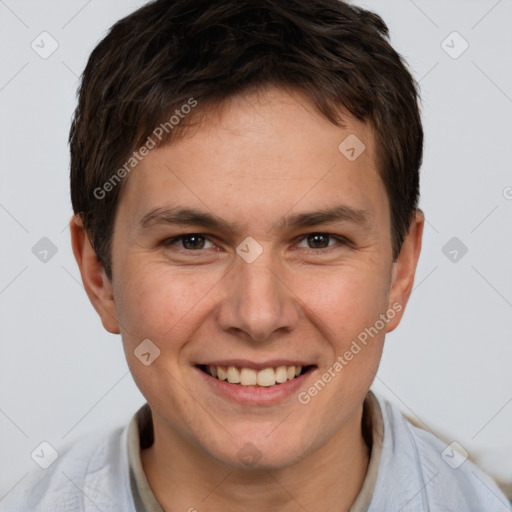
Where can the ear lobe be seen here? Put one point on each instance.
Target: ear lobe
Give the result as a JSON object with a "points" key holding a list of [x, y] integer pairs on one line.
{"points": [[404, 268], [95, 281]]}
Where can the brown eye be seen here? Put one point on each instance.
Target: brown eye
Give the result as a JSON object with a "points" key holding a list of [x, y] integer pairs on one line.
{"points": [[189, 242], [318, 240], [193, 242], [321, 241]]}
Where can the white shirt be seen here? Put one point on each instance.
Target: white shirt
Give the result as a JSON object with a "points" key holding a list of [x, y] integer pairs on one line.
{"points": [[406, 473]]}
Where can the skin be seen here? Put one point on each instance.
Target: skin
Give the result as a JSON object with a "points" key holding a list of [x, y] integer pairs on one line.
{"points": [[253, 161]]}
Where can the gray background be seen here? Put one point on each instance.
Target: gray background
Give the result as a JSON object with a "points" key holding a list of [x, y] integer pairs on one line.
{"points": [[448, 365]]}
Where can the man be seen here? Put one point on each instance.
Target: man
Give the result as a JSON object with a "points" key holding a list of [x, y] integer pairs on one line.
{"points": [[244, 177]]}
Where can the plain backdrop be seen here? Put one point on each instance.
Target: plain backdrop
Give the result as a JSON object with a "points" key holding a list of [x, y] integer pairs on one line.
{"points": [[448, 365]]}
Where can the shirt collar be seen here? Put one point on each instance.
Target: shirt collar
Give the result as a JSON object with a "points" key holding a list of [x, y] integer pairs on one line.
{"points": [[140, 436]]}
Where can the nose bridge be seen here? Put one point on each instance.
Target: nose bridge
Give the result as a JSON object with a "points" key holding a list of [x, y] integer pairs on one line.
{"points": [[260, 284], [258, 302]]}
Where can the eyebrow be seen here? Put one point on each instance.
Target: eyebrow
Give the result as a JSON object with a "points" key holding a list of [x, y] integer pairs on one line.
{"points": [[186, 216]]}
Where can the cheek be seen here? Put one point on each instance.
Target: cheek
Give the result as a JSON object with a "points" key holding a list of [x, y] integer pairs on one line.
{"points": [[347, 299], [157, 303]]}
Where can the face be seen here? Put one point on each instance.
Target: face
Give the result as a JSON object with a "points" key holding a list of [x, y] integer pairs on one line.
{"points": [[254, 246]]}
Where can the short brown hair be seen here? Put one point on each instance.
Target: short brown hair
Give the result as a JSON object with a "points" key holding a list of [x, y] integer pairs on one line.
{"points": [[167, 52]]}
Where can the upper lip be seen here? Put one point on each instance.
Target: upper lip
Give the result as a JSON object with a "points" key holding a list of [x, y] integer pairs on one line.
{"points": [[244, 363]]}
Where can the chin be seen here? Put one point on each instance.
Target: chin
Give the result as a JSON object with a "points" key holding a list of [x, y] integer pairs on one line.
{"points": [[260, 452]]}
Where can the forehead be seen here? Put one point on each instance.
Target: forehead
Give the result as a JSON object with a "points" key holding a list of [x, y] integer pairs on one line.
{"points": [[257, 155]]}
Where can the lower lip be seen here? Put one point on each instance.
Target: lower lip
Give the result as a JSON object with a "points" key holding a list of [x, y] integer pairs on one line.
{"points": [[257, 395]]}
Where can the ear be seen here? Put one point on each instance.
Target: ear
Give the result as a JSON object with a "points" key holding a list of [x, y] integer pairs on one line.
{"points": [[96, 283], [404, 269]]}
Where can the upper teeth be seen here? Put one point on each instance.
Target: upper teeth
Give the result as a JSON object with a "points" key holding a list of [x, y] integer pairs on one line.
{"points": [[250, 377]]}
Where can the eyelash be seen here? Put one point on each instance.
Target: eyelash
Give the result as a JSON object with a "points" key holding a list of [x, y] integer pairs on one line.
{"points": [[340, 239]]}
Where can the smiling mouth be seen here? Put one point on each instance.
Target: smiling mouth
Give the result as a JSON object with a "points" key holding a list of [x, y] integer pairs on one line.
{"points": [[265, 377]]}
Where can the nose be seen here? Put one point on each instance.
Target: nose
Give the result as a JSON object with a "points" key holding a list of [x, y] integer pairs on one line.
{"points": [[258, 300]]}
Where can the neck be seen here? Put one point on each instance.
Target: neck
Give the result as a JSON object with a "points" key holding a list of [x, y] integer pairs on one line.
{"points": [[328, 478]]}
